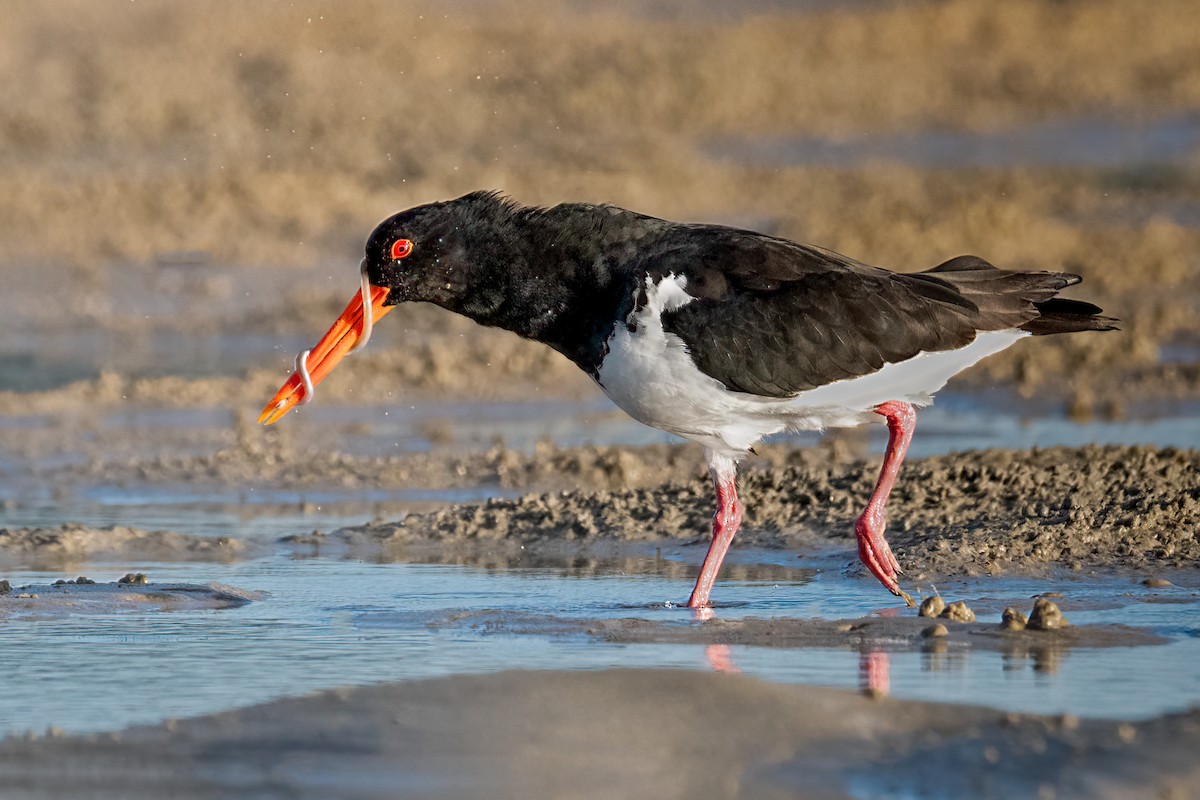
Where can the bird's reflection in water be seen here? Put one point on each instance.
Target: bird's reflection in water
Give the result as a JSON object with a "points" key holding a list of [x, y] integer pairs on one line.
{"points": [[874, 673], [874, 667], [719, 656]]}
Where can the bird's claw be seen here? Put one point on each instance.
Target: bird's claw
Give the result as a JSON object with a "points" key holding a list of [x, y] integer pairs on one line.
{"points": [[877, 556]]}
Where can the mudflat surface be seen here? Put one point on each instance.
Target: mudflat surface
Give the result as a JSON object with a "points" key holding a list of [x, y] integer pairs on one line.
{"points": [[990, 512], [876, 633], [614, 733], [78, 543], [964, 513], [61, 599]]}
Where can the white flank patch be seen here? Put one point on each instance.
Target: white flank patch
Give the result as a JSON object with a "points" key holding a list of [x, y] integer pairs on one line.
{"points": [[649, 374]]}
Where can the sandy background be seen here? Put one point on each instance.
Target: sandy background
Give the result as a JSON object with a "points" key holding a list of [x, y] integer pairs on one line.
{"points": [[143, 136]]}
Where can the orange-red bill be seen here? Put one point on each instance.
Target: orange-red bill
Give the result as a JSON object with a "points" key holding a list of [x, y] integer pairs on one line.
{"points": [[333, 347]]}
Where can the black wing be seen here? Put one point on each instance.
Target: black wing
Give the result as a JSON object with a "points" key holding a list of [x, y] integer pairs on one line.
{"points": [[776, 318]]}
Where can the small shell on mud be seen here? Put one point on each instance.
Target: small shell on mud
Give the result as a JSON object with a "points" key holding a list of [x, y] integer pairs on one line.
{"points": [[1046, 616], [932, 606], [1013, 620], [958, 612], [937, 631]]}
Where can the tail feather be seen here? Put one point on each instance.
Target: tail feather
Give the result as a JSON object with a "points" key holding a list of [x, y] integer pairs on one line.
{"points": [[1007, 299]]}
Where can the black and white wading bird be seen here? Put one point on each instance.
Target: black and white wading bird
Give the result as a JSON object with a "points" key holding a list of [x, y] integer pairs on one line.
{"points": [[719, 335]]}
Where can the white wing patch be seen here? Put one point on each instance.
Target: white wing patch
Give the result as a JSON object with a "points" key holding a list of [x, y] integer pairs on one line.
{"points": [[649, 374]]}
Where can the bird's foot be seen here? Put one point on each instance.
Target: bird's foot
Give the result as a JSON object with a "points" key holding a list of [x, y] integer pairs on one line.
{"points": [[877, 556]]}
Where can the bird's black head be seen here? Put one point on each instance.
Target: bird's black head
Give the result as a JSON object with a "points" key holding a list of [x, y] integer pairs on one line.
{"points": [[426, 253]]}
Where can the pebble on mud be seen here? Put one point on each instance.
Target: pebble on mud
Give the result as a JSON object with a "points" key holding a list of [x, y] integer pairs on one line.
{"points": [[80, 581], [958, 612], [932, 606], [134, 579], [1046, 616], [1013, 620]]}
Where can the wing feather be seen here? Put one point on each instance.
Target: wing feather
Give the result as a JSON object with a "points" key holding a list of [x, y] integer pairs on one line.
{"points": [[774, 318]]}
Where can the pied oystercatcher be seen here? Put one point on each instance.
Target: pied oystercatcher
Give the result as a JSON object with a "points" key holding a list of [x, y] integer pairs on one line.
{"points": [[720, 335]]}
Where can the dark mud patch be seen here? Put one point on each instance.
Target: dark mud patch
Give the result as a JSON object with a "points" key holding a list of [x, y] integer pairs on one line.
{"points": [[76, 543], [72, 598], [537, 734], [864, 634], [960, 514]]}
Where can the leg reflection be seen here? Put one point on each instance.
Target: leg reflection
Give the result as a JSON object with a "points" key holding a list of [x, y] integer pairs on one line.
{"points": [[874, 673], [719, 656]]}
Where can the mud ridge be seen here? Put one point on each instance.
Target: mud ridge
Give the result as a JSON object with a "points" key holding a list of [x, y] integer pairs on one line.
{"points": [[959, 514], [75, 542]]}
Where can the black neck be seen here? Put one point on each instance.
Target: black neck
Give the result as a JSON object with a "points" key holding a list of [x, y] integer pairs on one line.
{"points": [[561, 276]]}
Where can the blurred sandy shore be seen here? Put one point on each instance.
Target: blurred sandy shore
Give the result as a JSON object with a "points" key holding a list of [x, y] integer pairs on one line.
{"points": [[622, 733], [223, 163]]}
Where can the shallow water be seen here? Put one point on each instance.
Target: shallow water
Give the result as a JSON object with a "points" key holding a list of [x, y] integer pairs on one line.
{"points": [[327, 622]]}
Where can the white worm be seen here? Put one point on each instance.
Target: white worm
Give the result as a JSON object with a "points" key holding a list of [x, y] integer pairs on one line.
{"points": [[305, 378], [368, 313], [368, 325]]}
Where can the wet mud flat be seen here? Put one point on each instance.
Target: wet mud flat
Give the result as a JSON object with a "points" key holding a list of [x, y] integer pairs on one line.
{"points": [[75, 542], [872, 634], [632, 732], [991, 512], [975, 513], [612, 733], [133, 593]]}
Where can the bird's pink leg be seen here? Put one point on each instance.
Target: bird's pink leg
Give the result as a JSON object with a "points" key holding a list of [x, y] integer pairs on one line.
{"points": [[873, 549], [726, 522]]}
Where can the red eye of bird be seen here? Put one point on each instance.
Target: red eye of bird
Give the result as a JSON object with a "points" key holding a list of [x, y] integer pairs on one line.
{"points": [[401, 248]]}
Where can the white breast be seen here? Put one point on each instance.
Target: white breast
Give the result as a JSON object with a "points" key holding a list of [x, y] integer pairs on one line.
{"points": [[649, 374]]}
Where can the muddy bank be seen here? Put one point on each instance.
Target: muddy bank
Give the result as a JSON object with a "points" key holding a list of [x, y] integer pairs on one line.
{"points": [[77, 543], [959, 514], [660, 734], [134, 593], [892, 634]]}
